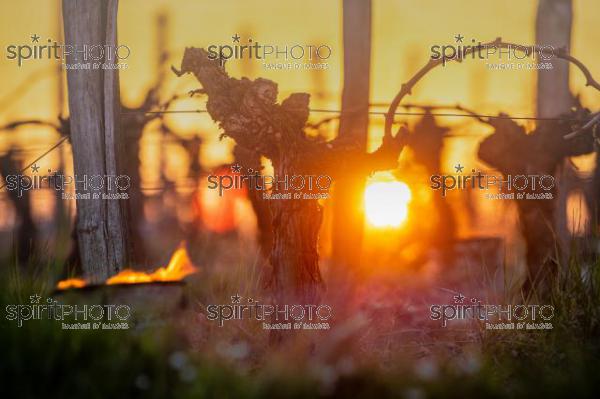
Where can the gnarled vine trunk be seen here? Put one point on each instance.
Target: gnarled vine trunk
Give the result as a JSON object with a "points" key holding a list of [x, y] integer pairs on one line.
{"points": [[248, 112], [294, 257]]}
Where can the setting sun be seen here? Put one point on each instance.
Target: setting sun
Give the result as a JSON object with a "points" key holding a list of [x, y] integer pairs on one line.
{"points": [[386, 203]]}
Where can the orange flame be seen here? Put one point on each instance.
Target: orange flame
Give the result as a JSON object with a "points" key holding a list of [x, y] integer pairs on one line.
{"points": [[179, 267], [71, 283]]}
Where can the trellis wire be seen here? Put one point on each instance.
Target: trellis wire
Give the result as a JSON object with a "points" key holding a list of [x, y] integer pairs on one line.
{"points": [[329, 111], [381, 113]]}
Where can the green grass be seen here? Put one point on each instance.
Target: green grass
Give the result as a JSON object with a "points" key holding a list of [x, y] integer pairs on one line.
{"points": [[41, 360]]}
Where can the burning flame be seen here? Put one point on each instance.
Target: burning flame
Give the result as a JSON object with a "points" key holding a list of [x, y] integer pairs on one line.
{"points": [[179, 267], [71, 283]]}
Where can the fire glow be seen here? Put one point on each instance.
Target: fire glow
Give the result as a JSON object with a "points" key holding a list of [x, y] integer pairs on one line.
{"points": [[178, 268], [386, 203]]}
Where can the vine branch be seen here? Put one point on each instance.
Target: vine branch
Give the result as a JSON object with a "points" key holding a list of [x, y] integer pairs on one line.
{"points": [[407, 87]]}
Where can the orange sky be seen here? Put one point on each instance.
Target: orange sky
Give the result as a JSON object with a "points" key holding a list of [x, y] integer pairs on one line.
{"points": [[403, 32]]}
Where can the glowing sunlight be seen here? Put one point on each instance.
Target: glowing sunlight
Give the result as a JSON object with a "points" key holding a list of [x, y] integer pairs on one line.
{"points": [[386, 203]]}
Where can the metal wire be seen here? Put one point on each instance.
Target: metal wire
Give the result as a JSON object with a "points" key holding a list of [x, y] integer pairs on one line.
{"points": [[329, 111], [48, 151], [382, 113]]}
